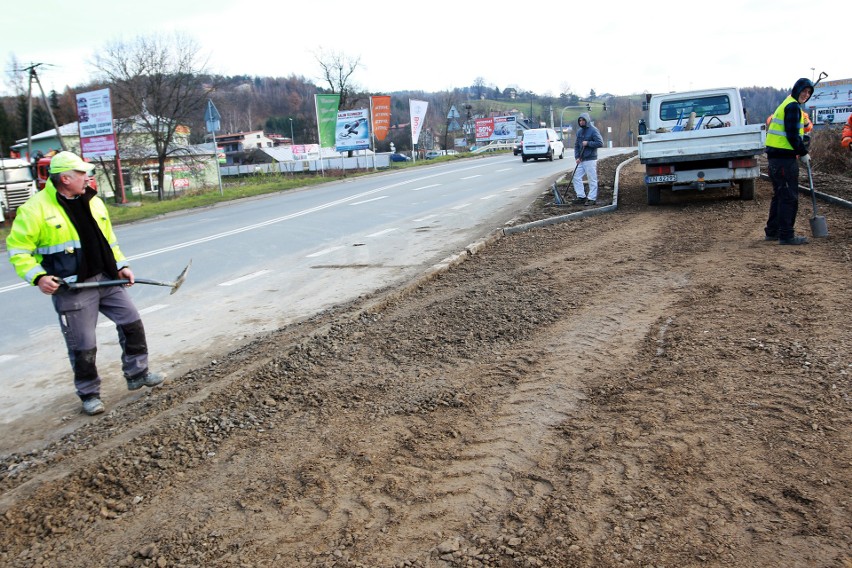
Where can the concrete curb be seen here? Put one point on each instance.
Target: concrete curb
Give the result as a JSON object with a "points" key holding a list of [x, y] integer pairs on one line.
{"points": [[578, 214]]}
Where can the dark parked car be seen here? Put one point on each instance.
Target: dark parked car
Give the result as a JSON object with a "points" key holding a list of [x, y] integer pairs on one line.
{"points": [[397, 157], [518, 147]]}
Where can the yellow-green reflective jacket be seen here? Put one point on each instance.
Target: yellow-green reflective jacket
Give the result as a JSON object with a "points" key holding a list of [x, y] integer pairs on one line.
{"points": [[776, 136], [43, 240]]}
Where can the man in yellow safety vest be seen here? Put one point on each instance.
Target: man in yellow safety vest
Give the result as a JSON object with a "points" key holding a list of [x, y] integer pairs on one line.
{"points": [[784, 145]]}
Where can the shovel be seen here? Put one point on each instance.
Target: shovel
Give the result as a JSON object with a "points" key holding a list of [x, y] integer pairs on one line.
{"points": [[122, 282], [571, 178], [819, 228]]}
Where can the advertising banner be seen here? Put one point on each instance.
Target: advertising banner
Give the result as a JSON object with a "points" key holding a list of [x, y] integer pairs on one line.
{"points": [[352, 131], [484, 128], [326, 106], [496, 128], [94, 119], [831, 102], [505, 128], [418, 115], [381, 116]]}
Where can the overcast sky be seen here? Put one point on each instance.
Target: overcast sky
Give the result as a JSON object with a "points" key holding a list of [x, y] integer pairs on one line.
{"points": [[612, 46]]}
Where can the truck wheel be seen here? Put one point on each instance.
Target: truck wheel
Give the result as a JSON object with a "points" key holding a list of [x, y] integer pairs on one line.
{"points": [[523, 158], [562, 154], [653, 195], [747, 189], [550, 155]]}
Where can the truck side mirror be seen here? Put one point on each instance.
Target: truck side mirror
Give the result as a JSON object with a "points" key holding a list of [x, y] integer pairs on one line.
{"points": [[643, 128], [645, 106]]}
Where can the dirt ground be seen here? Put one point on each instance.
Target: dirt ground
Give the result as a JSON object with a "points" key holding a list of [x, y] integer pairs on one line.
{"points": [[653, 387]]}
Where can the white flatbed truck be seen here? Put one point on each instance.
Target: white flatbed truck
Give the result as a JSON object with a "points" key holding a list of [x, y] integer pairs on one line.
{"points": [[696, 140]]}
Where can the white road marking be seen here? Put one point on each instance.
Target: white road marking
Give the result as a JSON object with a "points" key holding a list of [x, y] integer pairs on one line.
{"points": [[148, 310], [471, 177], [43, 331], [492, 196], [425, 187], [244, 278], [4, 358], [324, 251], [369, 200], [380, 233], [462, 206], [13, 287], [426, 218], [154, 308]]}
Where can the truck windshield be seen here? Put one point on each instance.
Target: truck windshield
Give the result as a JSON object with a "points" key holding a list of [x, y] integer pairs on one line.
{"points": [[15, 175], [701, 106]]}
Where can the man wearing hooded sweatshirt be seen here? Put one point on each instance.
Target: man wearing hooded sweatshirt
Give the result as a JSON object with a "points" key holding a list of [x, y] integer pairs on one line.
{"points": [[586, 146], [784, 144]]}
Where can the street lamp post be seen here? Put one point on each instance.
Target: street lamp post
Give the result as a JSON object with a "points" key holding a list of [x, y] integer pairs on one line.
{"points": [[291, 131]]}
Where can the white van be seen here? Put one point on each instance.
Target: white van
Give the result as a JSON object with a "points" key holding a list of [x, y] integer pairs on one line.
{"points": [[542, 143]]}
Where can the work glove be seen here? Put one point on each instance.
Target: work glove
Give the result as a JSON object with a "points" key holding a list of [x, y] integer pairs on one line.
{"points": [[806, 159]]}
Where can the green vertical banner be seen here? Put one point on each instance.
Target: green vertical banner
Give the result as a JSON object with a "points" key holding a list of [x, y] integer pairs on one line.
{"points": [[327, 118]]}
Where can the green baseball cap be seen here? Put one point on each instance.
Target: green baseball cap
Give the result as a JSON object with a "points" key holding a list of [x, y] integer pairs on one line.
{"points": [[67, 161]]}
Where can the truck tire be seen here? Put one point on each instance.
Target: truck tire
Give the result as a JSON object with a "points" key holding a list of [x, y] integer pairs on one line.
{"points": [[550, 155], [523, 158], [747, 189], [653, 194], [562, 154]]}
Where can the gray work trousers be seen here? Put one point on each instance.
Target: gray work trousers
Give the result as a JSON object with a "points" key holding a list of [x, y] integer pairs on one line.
{"points": [[78, 317]]}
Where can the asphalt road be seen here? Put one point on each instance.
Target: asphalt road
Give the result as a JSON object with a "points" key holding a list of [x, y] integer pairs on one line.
{"points": [[263, 263]]}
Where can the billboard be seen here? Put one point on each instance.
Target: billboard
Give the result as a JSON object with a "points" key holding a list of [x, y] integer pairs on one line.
{"points": [[496, 128], [352, 131], [94, 120], [831, 102]]}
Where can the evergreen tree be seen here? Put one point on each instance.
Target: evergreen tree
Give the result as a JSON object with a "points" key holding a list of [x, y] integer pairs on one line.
{"points": [[7, 137]]}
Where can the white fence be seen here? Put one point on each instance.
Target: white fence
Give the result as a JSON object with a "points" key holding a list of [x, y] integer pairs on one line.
{"points": [[302, 166]]}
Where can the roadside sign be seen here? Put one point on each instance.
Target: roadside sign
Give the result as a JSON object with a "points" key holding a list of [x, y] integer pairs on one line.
{"points": [[453, 113], [212, 117]]}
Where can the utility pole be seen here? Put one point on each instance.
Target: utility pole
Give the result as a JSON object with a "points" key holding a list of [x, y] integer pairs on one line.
{"points": [[33, 76]]}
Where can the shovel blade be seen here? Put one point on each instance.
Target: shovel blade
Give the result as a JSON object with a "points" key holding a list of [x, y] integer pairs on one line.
{"points": [[180, 279], [819, 228]]}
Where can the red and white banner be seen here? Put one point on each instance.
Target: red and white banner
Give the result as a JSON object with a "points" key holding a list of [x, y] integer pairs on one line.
{"points": [[94, 119], [418, 115], [484, 128]]}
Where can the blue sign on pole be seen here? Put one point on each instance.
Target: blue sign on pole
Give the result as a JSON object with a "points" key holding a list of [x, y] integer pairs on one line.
{"points": [[212, 117]]}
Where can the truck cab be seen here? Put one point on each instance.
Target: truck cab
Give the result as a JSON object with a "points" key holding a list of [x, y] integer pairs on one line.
{"points": [[717, 107], [16, 184], [43, 172]]}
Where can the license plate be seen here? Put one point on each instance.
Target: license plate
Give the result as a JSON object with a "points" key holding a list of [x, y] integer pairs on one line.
{"points": [[661, 179]]}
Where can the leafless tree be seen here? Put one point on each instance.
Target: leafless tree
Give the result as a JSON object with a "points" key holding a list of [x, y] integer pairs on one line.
{"points": [[479, 88], [337, 70], [15, 75], [156, 80]]}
